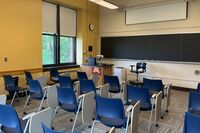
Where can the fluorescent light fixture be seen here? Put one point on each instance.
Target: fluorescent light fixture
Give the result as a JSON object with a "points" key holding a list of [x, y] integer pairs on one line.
{"points": [[105, 4]]}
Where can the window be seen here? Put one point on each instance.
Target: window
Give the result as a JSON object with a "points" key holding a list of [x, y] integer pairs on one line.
{"points": [[59, 35]]}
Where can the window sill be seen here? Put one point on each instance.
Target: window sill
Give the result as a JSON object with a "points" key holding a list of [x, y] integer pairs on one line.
{"points": [[47, 68]]}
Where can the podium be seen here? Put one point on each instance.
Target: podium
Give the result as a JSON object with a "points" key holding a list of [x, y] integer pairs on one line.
{"points": [[99, 70]]}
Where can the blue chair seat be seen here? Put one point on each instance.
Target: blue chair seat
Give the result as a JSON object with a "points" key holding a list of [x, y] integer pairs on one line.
{"points": [[68, 107], [110, 122], [14, 130], [36, 96], [12, 88]]}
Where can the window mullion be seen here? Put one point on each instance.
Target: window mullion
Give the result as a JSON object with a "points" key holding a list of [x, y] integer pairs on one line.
{"points": [[58, 35]]}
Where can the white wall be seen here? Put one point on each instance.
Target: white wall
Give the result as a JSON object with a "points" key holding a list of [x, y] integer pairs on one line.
{"points": [[112, 23]]}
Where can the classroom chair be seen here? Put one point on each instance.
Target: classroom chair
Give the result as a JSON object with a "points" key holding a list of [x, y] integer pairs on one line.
{"points": [[154, 85], [65, 82], [191, 123], [148, 103], [10, 121], [54, 75], [115, 86], [86, 86], [37, 93], [11, 87], [68, 102], [82, 76], [28, 76], [110, 112], [193, 104]]}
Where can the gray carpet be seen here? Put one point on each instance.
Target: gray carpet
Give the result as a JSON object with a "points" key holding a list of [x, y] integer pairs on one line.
{"points": [[172, 122]]}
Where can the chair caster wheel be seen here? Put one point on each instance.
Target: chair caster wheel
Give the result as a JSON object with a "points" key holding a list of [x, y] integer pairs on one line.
{"points": [[156, 125], [71, 120], [52, 128], [162, 117], [167, 111], [93, 119], [28, 103], [24, 113], [43, 108]]}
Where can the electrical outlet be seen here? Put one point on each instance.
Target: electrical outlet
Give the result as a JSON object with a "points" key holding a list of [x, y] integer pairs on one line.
{"points": [[5, 59]]}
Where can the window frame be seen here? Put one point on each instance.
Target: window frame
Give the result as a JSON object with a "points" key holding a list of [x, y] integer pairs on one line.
{"points": [[57, 42]]}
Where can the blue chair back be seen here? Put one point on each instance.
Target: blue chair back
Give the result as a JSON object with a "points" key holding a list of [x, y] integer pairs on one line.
{"points": [[9, 118], [8, 81], [87, 86], [110, 109], [198, 87], [82, 76], [153, 84], [191, 123], [35, 89], [141, 94], [67, 99], [114, 83], [65, 81], [28, 76], [47, 130], [54, 73], [194, 99]]}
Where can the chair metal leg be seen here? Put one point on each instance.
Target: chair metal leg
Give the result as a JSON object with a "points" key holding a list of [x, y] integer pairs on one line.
{"points": [[54, 115], [27, 100], [13, 98], [26, 127], [79, 106], [127, 122], [150, 118], [93, 126], [41, 103]]}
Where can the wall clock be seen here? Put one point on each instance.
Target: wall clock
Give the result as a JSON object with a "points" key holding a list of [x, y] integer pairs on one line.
{"points": [[91, 27]]}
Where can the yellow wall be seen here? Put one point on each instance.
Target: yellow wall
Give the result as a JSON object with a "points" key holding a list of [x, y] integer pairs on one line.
{"points": [[21, 34]]}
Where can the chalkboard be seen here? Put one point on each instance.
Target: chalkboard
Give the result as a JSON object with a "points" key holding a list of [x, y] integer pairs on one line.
{"points": [[165, 47], [115, 47], [190, 48], [138, 47], [169, 47]]}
